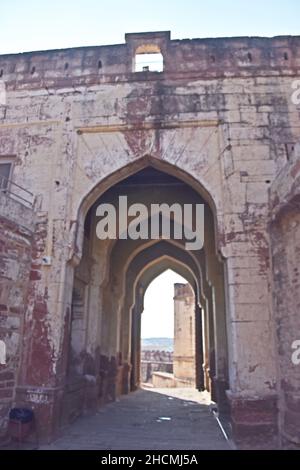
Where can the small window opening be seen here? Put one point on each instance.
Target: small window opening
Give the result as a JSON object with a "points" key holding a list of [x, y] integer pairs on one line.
{"points": [[289, 150], [5, 174], [148, 58]]}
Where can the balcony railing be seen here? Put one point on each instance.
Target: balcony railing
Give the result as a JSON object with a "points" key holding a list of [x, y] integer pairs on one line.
{"points": [[14, 191]]}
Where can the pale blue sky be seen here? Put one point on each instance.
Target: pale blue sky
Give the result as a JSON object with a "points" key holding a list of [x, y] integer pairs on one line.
{"points": [[27, 25], [158, 315]]}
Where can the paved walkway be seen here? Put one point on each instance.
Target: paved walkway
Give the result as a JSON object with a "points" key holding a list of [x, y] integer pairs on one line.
{"points": [[149, 419]]}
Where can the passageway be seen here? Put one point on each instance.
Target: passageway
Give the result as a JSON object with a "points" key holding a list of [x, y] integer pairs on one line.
{"points": [[113, 272], [148, 419]]}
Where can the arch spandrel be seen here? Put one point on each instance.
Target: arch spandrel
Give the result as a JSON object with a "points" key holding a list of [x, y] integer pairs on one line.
{"points": [[97, 190]]}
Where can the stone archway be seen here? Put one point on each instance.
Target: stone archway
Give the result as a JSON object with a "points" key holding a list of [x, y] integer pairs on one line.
{"points": [[96, 273], [142, 271], [97, 343], [186, 366], [91, 128], [80, 210]]}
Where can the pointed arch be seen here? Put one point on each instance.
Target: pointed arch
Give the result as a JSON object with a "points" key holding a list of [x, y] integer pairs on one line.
{"points": [[91, 197]]}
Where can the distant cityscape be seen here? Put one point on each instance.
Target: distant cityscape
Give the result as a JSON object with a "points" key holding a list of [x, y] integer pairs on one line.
{"points": [[158, 344]]}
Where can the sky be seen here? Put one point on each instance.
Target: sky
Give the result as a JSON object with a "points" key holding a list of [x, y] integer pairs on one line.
{"points": [[158, 315], [27, 25]]}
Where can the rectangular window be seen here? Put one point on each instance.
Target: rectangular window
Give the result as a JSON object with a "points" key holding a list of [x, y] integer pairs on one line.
{"points": [[6, 165]]}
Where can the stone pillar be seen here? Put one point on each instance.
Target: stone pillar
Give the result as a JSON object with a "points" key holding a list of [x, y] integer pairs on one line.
{"points": [[205, 342], [46, 337], [211, 371], [135, 348], [184, 335], [252, 394], [125, 344], [200, 383], [220, 378]]}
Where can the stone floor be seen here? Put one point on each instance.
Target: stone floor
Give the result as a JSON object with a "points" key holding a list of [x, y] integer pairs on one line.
{"points": [[149, 419]]}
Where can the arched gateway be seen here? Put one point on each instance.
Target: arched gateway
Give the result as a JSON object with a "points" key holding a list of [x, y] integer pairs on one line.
{"points": [[199, 132]]}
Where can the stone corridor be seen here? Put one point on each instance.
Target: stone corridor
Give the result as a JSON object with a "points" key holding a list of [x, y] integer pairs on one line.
{"points": [[138, 422]]}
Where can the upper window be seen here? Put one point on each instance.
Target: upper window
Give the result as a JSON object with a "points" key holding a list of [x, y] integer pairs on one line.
{"points": [[148, 58]]}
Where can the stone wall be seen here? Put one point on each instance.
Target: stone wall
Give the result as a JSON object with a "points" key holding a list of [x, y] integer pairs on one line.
{"points": [[184, 334], [220, 117], [154, 361], [285, 234]]}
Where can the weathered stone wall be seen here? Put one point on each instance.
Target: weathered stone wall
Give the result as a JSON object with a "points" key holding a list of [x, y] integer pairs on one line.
{"points": [[220, 116], [285, 235], [184, 333], [153, 361], [16, 232]]}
